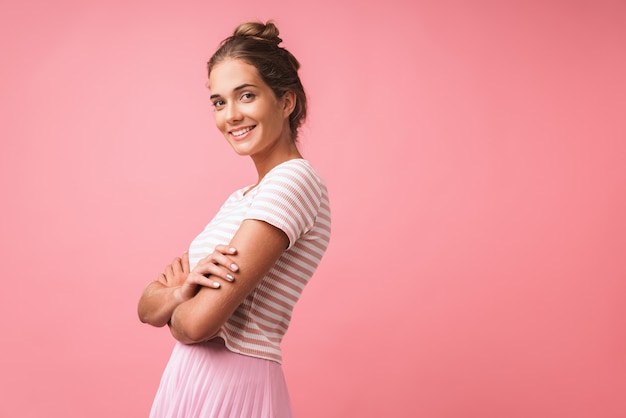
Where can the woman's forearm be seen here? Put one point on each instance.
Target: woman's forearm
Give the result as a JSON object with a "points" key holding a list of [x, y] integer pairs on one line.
{"points": [[259, 245], [199, 318], [157, 303]]}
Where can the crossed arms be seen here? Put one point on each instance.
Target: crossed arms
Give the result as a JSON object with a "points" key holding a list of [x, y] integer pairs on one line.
{"points": [[196, 303]]}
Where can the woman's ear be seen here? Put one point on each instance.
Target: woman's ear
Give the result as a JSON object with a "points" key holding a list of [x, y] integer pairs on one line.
{"points": [[289, 102]]}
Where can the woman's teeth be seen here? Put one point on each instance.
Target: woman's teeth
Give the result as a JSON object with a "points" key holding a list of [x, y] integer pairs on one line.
{"points": [[242, 131]]}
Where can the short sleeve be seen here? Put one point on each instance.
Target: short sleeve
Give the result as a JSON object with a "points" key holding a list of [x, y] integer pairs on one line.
{"points": [[288, 198]]}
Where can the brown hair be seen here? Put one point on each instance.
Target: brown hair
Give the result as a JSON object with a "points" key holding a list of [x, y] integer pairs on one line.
{"points": [[257, 44]]}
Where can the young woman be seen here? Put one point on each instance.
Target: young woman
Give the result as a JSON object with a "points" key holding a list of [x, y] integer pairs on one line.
{"points": [[229, 300]]}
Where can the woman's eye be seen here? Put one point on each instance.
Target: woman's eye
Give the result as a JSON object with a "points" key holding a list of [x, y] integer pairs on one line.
{"points": [[218, 104], [247, 97]]}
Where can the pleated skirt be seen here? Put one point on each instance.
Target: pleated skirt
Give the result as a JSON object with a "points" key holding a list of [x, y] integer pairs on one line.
{"points": [[207, 380]]}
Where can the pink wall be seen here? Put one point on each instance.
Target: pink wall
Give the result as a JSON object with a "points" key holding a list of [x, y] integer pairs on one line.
{"points": [[475, 157]]}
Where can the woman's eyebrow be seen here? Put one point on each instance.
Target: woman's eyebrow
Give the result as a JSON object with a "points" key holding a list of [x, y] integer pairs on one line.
{"points": [[240, 87]]}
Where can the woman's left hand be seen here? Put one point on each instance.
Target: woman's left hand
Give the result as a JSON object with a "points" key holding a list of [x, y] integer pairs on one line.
{"points": [[216, 265]]}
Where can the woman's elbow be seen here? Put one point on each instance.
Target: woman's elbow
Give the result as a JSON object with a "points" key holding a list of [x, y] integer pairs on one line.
{"points": [[148, 317], [190, 331]]}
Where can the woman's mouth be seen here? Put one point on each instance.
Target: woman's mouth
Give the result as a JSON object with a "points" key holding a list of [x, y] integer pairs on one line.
{"points": [[241, 133]]}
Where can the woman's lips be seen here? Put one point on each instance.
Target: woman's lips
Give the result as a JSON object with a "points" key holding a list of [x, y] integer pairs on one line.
{"points": [[241, 133]]}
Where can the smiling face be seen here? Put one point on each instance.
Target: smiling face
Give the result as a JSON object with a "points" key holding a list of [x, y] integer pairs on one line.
{"points": [[247, 112]]}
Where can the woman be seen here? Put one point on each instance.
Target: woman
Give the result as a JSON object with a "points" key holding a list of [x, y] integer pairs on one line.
{"points": [[229, 306]]}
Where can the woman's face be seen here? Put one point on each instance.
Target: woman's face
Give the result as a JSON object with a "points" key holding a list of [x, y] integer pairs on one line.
{"points": [[247, 112]]}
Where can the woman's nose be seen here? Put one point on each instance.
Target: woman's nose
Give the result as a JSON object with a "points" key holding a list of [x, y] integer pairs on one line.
{"points": [[232, 112]]}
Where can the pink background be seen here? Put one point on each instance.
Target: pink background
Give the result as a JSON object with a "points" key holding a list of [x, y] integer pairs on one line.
{"points": [[475, 157]]}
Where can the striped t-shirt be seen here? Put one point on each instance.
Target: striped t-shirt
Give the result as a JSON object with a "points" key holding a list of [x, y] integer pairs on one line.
{"points": [[294, 199]]}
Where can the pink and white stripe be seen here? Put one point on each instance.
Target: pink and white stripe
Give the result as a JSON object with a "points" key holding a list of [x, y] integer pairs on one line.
{"points": [[294, 199]]}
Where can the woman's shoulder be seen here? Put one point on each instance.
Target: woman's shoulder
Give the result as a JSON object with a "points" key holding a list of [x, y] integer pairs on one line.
{"points": [[296, 169], [295, 177]]}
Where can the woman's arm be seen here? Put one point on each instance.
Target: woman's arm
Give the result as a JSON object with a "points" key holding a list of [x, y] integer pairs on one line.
{"points": [[174, 285], [259, 245], [157, 303], [163, 295]]}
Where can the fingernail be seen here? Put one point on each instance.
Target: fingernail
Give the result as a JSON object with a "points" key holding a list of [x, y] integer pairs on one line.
{"points": [[230, 277], [232, 249], [234, 267], [216, 284]]}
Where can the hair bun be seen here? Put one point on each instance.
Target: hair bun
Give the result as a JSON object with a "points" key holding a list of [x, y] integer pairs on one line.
{"points": [[259, 31]]}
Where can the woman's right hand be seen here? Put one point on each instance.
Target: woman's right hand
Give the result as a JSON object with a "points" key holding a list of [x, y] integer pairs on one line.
{"points": [[216, 265]]}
